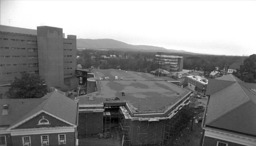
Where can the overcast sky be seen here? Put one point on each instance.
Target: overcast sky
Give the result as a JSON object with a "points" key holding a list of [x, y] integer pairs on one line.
{"points": [[212, 27]]}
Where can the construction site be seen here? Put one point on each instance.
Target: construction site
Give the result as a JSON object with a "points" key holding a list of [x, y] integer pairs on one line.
{"points": [[135, 108]]}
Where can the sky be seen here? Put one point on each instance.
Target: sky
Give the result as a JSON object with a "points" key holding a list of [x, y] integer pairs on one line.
{"points": [[211, 27]]}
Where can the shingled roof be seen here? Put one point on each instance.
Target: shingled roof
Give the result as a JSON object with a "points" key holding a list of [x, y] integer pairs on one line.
{"points": [[232, 106], [54, 103]]}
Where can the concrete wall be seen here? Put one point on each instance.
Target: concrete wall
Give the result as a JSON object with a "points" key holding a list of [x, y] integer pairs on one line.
{"points": [[69, 48], [53, 139], [3, 91], [208, 141], [90, 124], [18, 53], [91, 86], [146, 133], [50, 55], [44, 52]]}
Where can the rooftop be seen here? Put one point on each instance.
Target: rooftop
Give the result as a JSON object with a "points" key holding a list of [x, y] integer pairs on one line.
{"points": [[143, 92], [232, 105], [55, 103], [12, 29], [199, 79]]}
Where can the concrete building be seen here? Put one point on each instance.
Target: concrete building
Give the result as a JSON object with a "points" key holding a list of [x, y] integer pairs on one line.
{"points": [[48, 121], [197, 83], [141, 105], [230, 115], [169, 62], [43, 51]]}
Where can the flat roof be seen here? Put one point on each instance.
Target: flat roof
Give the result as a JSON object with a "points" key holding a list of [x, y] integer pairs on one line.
{"points": [[144, 93], [12, 29], [199, 79]]}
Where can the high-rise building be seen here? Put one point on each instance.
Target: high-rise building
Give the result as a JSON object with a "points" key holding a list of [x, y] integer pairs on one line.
{"points": [[44, 51], [169, 62]]}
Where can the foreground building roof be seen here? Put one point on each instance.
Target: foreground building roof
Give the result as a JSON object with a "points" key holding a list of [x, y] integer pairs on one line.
{"points": [[232, 105], [143, 93], [55, 104]]}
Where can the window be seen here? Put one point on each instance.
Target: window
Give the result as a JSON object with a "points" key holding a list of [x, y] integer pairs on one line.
{"points": [[62, 139], [26, 141], [43, 121], [45, 140], [3, 140], [219, 143]]}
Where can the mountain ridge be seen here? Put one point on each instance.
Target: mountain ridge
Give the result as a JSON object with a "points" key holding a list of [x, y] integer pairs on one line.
{"points": [[111, 44]]}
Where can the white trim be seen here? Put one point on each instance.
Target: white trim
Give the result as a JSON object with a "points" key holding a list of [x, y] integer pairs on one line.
{"points": [[60, 118], [4, 139], [48, 141], [64, 141], [23, 141], [91, 105], [91, 110], [43, 123], [231, 137], [36, 114], [35, 131], [23, 121], [4, 131], [218, 142]]}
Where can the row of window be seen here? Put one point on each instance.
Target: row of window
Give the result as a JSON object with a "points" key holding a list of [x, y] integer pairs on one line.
{"points": [[19, 48], [19, 40], [67, 61], [13, 73], [67, 67], [67, 49], [68, 74], [17, 56], [21, 64], [9, 73], [67, 43], [26, 140], [67, 55]]}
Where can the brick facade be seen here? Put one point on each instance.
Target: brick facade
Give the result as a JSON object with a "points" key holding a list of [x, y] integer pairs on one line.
{"points": [[33, 123], [208, 141], [53, 139]]}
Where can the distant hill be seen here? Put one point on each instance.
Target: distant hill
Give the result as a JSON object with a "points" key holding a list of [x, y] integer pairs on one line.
{"points": [[110, 44]]}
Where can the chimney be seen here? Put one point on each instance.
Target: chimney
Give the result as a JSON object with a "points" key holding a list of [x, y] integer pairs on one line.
{"points": [[5, 109]]}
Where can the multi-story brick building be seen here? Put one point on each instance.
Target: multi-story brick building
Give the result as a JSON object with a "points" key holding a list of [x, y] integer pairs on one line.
{"points": [[43, 51]]}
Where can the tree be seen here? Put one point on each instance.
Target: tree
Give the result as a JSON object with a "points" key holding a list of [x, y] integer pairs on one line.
{"points": [[248, 69], [28, 86]]}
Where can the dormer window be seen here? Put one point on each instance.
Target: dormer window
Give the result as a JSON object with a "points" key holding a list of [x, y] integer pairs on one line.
{"points": [[43, 121]]}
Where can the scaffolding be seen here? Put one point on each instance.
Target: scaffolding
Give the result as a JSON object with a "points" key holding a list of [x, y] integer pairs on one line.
{"points": [[125, 128], [107, 124]]}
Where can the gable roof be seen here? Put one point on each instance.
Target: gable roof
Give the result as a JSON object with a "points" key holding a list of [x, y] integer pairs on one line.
{"points": [[233, 108], [228, 77], [217, 85], [54, 103]]}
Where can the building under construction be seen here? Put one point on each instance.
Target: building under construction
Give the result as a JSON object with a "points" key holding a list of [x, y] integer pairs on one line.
{"points": [[139, 105]]}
